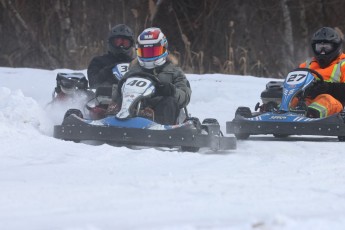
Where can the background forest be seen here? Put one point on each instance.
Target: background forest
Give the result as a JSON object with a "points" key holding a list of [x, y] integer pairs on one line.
{"points": [[247, 37]]}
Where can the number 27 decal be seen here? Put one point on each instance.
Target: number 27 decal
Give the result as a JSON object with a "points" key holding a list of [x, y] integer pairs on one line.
{"points": [[296, 77]]}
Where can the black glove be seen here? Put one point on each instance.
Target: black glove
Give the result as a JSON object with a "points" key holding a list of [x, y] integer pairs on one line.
{"points": [[337, 90], [317, 89], [106, 73], [165, 89]]}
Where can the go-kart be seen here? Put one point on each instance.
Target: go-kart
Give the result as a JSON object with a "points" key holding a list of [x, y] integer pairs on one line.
{"points": [[129, 128], [276, 117]]}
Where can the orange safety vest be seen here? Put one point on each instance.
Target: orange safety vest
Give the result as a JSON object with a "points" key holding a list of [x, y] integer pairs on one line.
{"points": [[335, 72]]}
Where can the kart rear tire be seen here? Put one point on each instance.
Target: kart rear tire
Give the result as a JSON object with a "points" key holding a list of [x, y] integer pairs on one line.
{"points": [[196, 123], [242, 136], [341, 138], [189, 149], [76, 112], [244, 112], [212, 121], [280, 135]]}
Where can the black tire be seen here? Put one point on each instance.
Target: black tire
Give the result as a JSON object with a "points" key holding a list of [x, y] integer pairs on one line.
{"points": [[196, 123], [242, 136], [212, 121], [189, 149], [341, 138], [77, 112], [244, 112], [280, 135], [211, 126]]}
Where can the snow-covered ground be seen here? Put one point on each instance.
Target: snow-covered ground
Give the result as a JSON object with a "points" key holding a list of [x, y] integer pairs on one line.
{"points": [[267, 183]]}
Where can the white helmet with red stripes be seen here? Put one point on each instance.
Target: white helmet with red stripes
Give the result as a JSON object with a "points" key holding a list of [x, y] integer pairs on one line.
{"points": [[152, 48]]}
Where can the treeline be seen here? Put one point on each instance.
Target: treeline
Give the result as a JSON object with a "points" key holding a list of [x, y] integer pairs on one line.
{"points": [[250, 37]]}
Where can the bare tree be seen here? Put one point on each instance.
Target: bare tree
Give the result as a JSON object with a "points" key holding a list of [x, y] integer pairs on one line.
{"points": [[261, 37], [27, 36]]}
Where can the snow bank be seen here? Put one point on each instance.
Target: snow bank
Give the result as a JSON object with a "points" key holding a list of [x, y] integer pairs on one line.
{"points": [[20, 115]]}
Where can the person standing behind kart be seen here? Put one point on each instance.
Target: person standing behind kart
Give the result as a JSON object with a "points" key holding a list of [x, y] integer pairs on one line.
{"points": [[173, 91], [325, 99]]}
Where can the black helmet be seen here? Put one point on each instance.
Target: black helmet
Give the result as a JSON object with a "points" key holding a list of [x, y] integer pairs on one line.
{"points": [[125, 33], [68, 83], [330, 36]]}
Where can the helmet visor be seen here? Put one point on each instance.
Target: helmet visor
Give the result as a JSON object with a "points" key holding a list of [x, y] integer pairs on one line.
{"points": [[150, 51], [323, 47], [121, 42], [71, 83], [68, 83]]}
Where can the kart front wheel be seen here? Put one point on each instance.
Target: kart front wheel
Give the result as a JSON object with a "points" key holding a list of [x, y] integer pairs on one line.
{"points": [[341, 138]]}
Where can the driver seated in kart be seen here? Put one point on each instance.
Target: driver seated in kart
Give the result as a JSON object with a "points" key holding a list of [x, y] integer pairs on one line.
{"points": [[100, 70], [173, 91], [327, 98]]}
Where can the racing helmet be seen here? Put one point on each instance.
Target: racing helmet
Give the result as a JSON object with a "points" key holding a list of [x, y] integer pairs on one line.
{"points": [[121, 40], [152, 48], [326, 45], [68, 83]]}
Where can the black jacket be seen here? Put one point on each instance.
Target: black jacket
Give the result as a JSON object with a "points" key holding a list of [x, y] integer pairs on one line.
{"points": [[171, 73], [100, 68]]}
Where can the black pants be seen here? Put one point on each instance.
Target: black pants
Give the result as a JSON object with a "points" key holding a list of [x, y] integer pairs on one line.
{"points": [[166, 111]]}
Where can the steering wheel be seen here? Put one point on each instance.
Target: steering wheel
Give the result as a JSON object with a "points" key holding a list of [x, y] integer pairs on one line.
{"points": [[149, 76], [315, 82]]}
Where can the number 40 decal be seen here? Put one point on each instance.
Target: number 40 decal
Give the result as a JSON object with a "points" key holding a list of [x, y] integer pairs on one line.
{"points": [[137, 83]]}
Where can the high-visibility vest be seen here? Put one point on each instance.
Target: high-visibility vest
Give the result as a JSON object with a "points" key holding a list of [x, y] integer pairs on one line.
{"points": [[336, 72]]}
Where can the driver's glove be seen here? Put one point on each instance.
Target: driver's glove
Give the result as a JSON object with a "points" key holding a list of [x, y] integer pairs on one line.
{"points": [[165, 89], [317, 89]]}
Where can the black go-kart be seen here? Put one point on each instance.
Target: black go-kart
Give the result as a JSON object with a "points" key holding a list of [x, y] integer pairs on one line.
{"points": [[128, 127]]}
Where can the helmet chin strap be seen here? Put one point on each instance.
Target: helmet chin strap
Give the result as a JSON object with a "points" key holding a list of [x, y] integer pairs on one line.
{"points": [[152, 64], [323, 63], [160, 61]]}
